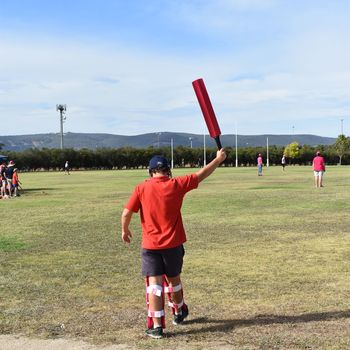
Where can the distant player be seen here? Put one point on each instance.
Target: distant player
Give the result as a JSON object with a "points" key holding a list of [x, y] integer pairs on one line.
{"points": [[283, 162], [66, 167], [8, 176], [319, 168], [260, 164], [159, 200], [15, 182], [3, 180]]}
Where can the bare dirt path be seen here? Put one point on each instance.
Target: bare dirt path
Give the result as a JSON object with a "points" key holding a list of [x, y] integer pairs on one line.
{"points": [[13, 342]]}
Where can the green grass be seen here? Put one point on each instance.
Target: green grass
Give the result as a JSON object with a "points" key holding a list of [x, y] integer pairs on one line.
{"points": [[266, 265], [10, 244]]}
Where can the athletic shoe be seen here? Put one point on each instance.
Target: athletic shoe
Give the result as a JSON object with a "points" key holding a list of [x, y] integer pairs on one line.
{"points": [[179, 318], [156, 333]]}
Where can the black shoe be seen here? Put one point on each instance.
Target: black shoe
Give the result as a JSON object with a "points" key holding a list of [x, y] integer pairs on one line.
{"points": [[179, 318], [156, 333]]}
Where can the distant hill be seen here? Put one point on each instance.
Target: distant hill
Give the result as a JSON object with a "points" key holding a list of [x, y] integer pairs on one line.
{"points": [[93, 141]]}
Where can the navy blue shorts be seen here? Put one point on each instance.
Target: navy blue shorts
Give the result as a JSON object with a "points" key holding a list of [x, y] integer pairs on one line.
{"points": [[156, 262]]}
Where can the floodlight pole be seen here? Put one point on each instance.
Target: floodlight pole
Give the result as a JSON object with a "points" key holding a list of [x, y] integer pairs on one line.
{"points": [[341, 127], [172, 153], [267, 152], [62, 109]]}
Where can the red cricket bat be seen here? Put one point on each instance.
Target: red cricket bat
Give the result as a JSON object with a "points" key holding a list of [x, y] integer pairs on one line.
{"points": [[207, 110]]}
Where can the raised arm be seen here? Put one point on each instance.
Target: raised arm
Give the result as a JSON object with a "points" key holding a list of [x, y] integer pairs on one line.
{"points": [[208, 169], [126, 218]]}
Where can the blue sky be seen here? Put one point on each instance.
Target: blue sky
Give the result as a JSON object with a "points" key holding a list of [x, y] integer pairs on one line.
{"points": [[126, 67]]}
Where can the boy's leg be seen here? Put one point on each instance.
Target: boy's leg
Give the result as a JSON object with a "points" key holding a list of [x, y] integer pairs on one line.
{"points": [[155, 304], [153, 271], [320, 179], [155, 300], [10, 189], [174, 292], [175, 289]]}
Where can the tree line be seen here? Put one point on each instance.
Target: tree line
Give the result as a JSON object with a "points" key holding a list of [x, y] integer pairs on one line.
{"points": [[134, 158]]}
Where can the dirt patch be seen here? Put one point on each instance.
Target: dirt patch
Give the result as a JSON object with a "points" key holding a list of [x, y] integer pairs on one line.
{"points": [[11, 342]]}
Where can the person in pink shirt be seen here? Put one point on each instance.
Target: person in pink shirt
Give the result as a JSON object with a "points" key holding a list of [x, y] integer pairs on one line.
{"points": [[260, 164], [319, 168]]}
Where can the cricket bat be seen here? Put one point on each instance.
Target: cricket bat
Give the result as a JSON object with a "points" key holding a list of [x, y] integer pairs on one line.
{"points": [[207, 110]]}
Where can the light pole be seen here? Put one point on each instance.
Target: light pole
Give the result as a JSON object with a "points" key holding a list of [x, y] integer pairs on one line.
{"points": [[267, 152], [172, 152], [341, 126], [62, 109], [190, 138]]}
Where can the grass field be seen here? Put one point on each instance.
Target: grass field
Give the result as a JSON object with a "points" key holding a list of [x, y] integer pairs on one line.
{"points": [[266, 265]]}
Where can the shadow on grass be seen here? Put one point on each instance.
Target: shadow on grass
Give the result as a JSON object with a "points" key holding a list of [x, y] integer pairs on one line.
{"points": [[260, 320], [37, 189]]}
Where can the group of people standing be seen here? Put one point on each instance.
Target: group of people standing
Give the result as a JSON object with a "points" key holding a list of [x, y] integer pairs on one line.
{"points": [[9, 180], [318, 166]]}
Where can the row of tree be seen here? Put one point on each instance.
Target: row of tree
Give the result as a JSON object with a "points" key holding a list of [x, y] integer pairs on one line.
{"points": [[131, 158]]}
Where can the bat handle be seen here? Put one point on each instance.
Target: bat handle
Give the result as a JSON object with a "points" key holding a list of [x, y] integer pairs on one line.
{"points": [[218, 142]]}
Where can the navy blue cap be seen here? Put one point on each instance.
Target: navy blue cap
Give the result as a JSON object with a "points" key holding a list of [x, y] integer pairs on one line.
{"points": [[158, 162]]}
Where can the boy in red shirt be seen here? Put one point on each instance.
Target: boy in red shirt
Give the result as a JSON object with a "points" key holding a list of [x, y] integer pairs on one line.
{"points": [[159, 200], [15, 182]]}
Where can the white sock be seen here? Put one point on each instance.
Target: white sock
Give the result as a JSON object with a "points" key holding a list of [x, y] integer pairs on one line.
{"points": [[178, 312]]}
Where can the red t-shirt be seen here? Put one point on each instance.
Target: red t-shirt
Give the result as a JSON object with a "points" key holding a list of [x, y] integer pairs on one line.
{"points": [[318, 164], [15, 179], [159, 200]]}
